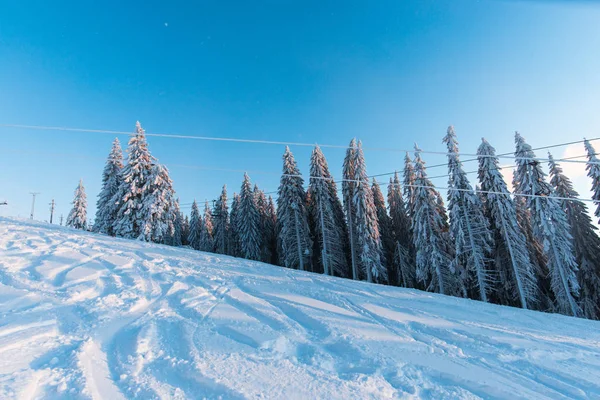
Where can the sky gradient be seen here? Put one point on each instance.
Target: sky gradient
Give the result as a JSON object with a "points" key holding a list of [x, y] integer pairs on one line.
{"points": [[390, 73]]}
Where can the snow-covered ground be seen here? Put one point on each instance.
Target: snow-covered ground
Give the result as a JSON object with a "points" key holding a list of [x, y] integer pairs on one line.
{"points": [[86, 316]]}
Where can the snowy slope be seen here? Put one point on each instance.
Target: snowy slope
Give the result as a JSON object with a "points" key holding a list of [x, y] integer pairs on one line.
{"points": [[86, 316]]}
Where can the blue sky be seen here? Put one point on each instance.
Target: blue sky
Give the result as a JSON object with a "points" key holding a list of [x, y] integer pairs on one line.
{"points": [[388, 72]]}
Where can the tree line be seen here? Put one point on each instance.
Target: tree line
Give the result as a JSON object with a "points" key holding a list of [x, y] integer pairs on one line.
{"points": [[536, 248]]}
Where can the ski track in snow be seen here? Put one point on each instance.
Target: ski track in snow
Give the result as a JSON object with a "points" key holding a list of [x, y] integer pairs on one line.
{"points": [[87, 316]]}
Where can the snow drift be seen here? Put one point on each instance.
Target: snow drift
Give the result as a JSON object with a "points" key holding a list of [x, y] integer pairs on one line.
{"points": [[87, 316]]}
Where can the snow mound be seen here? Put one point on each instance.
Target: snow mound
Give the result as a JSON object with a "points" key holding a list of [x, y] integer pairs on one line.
{"points": [[87, 316]]}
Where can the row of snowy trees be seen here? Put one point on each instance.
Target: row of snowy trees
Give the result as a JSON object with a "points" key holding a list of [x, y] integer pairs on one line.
{"points": [[535, 249]]}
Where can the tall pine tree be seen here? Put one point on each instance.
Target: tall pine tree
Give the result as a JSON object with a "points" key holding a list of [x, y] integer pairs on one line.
{"points": [[261, 204], [385, 231], [348, 184], [271, 231], [534, 243], [403, 256], [409, 189], [585, 240], [206, 230], [248, 223], [515, 271], [157, 211], [132, 192], [593, 171], [233, 247], [469, 227], [220, 216], [434, 264], [294, 239], [78, 216], [106, 209], [549, 223], [195, 227], [329, 233], [368, 248]]}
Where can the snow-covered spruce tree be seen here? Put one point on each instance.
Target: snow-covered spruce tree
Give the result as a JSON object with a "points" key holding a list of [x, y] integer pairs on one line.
{"points": [[261, 205], [206, 230], [233, 245], [132, 193], [329, 233], [586, 241], [433, 262], [517, 279], [176, 234], [348, 184], [368, 239], [220, 217], [185, 231], [386, 233], [593, 171], [469, 228], [78, 216], [294, 242], [106, 209], [248, 223], [403, 254], [195, 227], [271, 231], [534, 243], [157, 210], [409, 189], [549, 223]]}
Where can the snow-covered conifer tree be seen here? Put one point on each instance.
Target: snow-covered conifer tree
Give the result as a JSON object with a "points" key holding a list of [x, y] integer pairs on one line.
{"points": [[106, 209], [586, 241], [515, 271], [348, 184], [434, 264], [206, 230], [549, 223], [368, 239], [220, 217], [185, 230], [469, 227], [261, 205], [294, 240], [132, 193], [195, 227], [78, 216], [403, 255], [386, 233], [409, 189], [271, 231], [158, 209], [248, 223], [233, 246], [176, 226], [534, 243], [329, 233], [593, 171]]}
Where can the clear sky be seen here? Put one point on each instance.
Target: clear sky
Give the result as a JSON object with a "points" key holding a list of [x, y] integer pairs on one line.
{"points": [[387, 72]]}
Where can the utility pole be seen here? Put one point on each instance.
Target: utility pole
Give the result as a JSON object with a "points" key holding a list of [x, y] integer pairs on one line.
{"points": [[33, 203], [61, 218], [324, 254], [51, 211]]}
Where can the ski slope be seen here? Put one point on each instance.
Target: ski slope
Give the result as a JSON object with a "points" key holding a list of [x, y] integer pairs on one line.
{"points": [[87, 316]]}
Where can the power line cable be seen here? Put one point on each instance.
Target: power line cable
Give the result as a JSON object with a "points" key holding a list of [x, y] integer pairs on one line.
{"points": [[271, 142]]}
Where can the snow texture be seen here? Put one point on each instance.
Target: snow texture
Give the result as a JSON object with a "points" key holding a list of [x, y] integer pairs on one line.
{"points": [[90, 316]]}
